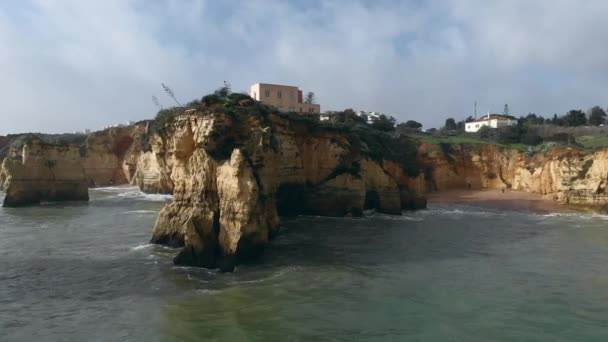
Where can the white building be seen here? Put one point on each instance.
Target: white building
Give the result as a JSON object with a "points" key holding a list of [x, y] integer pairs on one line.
{"points": [[490, 120], [371, 116]]}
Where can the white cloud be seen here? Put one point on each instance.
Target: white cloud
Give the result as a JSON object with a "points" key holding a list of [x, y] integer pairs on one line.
{"points": [[74, 64]]}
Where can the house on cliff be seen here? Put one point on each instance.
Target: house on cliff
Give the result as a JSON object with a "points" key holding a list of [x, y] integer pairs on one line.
{"points": [[285, 98], [490, 120]]}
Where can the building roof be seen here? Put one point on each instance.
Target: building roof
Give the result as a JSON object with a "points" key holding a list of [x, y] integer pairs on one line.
{"points": [[493, 117], [275, 85]]}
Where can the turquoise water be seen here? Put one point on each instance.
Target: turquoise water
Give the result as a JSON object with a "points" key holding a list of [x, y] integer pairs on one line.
{"points": [[454, 272]]}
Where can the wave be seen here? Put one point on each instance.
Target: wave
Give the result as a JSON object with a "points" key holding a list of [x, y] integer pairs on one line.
{"points": [[119, 188], [460, 212], [138, 195], [142, 246], [208, 291], [584, 216], [140, 212]]}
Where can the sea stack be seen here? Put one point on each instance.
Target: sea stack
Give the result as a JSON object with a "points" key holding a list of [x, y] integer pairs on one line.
{"points": [[35, 171], [236, 167]]}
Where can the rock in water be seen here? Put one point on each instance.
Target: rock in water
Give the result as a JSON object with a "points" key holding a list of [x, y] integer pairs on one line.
{"points": [[36, 171], [235, 171]]}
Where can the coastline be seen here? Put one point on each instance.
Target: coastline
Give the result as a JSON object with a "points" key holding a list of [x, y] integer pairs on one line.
{"points": [[495, 198]]}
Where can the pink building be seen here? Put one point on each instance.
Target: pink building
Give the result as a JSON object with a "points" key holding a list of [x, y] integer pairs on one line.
{"points": [[285, 98]]}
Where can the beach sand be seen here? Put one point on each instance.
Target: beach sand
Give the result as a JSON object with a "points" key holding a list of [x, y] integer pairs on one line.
{"points": [[495, 198]]}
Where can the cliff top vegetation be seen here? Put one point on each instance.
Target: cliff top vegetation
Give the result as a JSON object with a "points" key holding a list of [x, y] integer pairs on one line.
{"points": [[576, 129], [377, 140]]}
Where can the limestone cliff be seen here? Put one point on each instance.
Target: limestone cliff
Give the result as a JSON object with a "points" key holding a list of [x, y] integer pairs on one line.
{"points": [[110, 156], [567, 175], [37, 171], [4, 149], [38, 167], [235, 172], [151, 171]]}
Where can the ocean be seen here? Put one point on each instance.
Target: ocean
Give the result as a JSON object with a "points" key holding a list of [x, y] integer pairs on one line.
{"points": [[453, 272]]}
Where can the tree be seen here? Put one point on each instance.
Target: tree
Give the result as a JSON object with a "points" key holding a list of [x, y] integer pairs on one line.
{"points": [[506, 110], [224, 91], [508, 135], [169, 92], [156, 102], [575, 118], [460, 125], [413, 124], [450, 124], [597, 116], [530, 137], [347, 116], [485, 132], [532, 119], [384, 123], [310, 98]]}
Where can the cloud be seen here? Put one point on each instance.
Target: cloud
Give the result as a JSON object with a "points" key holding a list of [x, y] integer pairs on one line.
{"points": [[74, 64]]}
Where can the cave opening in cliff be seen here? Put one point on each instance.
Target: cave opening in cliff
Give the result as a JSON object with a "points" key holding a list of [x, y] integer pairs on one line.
{"points": [[372, 200]]}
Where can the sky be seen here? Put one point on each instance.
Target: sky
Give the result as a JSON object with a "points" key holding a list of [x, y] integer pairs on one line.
{"points": [[70, 65]]}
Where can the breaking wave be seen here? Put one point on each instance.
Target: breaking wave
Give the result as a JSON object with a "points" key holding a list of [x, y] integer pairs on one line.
{"points": [[128, 192], [140, 212]]}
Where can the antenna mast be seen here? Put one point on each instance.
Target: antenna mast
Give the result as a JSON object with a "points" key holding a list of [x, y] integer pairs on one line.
{"points": [[475, 109]]}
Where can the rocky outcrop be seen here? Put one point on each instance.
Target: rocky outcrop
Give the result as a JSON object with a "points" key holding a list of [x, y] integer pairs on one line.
{"points": [[235, 173], [110, 156], [4, 149], [38, 172], [41, 167], [152, 173], [568, 175]]}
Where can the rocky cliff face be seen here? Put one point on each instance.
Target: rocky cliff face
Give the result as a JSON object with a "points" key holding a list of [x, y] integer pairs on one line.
{"points": [[110, 156], [39, 172], [233, 174], [41, 167], [567, 175]]}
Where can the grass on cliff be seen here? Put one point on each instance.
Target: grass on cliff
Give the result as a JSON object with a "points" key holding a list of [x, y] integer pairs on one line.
{"points": [[592, 142], [459, 140], [222, 100]]}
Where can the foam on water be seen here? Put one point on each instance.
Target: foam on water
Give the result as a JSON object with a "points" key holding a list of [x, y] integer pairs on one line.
{"points": [[120, 188], [583, 216], [127, 192], [460, 212], [146, 197], [140, 212], [142, 246]]}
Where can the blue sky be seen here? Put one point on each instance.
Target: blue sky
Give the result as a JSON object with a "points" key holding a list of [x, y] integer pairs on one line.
{"points": [[68, 65]]}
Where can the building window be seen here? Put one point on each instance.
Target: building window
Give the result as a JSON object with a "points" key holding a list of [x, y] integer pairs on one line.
{"points": [[292, 109], [255, 95], [267, 93], [311, 110], [280, 108], [300, 109], [292, 96], [279, 94]]}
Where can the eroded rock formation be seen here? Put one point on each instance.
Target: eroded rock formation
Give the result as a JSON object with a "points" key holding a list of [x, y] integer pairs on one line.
{"points": [[234, 173], [40, 167], [39, 172], [570, 176]]}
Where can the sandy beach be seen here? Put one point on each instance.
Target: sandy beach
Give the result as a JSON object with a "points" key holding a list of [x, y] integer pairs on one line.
{"points": [[511, 200]]}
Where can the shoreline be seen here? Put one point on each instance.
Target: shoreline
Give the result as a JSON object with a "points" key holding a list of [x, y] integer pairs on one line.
{"points": [[495, 198]]}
